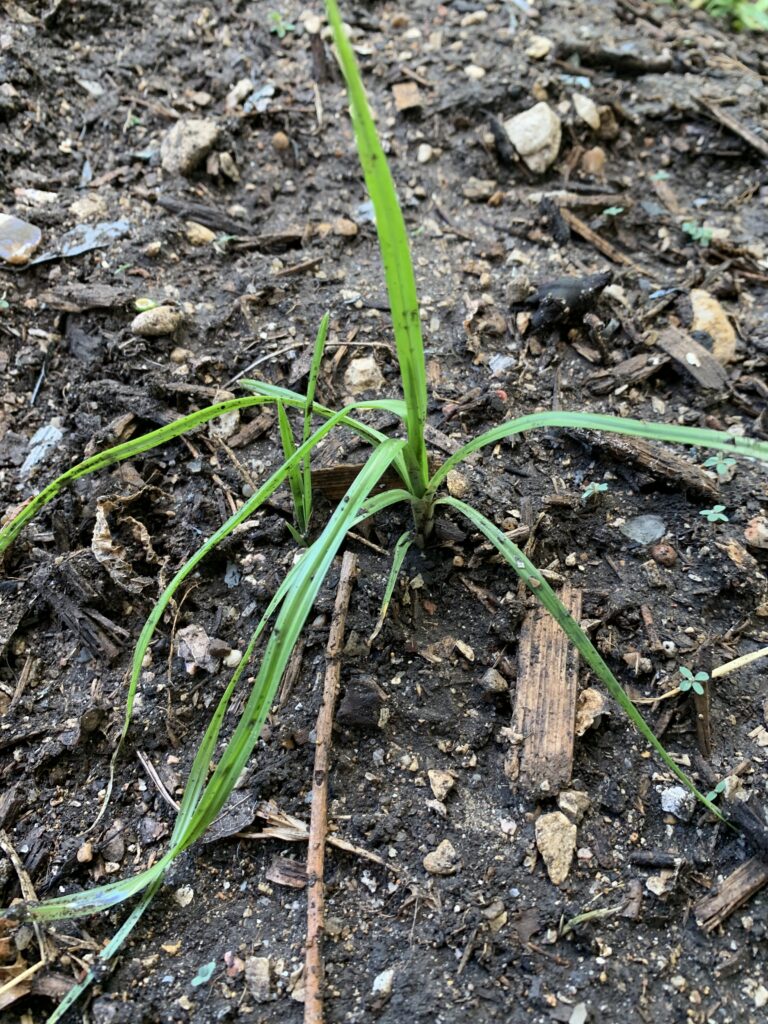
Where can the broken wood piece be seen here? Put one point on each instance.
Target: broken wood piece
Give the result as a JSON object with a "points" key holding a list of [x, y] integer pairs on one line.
{"points": [[693, 358], [737, 888], [633, 370], [545, 700], [729, 121], [653, 459], [601, 244]]}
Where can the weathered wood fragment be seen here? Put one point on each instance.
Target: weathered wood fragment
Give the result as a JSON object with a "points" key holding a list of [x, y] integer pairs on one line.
{"points": [[545, 701]]}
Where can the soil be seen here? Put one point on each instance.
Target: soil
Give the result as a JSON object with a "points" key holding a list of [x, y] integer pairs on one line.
{"points": [[91, 91]]}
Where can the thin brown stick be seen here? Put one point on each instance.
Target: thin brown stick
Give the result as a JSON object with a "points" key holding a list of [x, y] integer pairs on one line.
{"points": [[313, 969]]}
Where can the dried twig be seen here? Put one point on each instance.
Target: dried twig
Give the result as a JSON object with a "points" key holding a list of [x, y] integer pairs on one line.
{"points": [[313, 971]]}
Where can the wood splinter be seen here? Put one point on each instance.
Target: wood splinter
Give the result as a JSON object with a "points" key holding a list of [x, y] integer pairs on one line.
{"points": [[318, 824], [545, 701]]}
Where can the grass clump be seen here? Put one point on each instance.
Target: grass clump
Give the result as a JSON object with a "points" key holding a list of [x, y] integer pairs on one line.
{"points": [[419, 490]]}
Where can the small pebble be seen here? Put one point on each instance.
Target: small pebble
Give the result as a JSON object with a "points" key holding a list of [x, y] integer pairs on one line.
{"points": [[187, 144], [280, 142], [474, 72], [424, 153], [198, 234], [664, 554], [18, 240], [157, 322], [443, 860]]}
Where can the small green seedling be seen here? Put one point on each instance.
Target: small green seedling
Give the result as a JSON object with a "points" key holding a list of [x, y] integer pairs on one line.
{"points": [[742, 14], [592, 491], [721, 465], [714, 514], [613, 211], [143, 304], [4, 303], [713, 794], [698, 233], [660, 176], [691, 681], [300, 477], [278, 25], [204, 975]]}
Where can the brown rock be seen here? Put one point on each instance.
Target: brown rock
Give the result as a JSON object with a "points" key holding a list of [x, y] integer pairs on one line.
{"points": [[556, 841], [710, 317], [443, 860]]}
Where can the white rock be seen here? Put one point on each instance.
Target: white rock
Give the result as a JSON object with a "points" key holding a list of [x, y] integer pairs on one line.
{"points": [[535, 134], [363, 374], [187, 144], [382, 983], [18, 239], [90, 206], [538, 47], [678, 801], [154, 323], [184, 895], [424, 153], [458, 485], [257, 971], [556, 841], [474, 72], [443, 860], [574, 803], [587, 110]]}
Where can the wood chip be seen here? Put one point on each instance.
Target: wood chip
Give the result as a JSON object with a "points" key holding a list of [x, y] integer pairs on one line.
{"points": [[545, 701], [693, 358], [601, 244], [729, 121], [737, 888], [407, 96]]}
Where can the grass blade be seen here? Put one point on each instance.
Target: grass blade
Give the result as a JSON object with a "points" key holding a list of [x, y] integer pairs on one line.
{"points": [[296, 601], [295, 478], [718, 439], [401, 550], [395, 256], [539, 587], [119, 453], [314, 370]]}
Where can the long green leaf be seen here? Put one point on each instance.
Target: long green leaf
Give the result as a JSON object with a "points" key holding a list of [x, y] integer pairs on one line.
{"points": [[401, 550], [295, 478], [539, 587], [718, 439], [295, 607], [314, 371], [395, 256], [119, 453]]}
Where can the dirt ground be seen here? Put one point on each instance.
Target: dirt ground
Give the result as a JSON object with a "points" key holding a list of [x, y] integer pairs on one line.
{"points": [[651, 183]]}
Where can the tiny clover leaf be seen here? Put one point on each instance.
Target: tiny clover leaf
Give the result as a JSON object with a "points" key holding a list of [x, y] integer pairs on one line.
{"points": [[279, 25], [691, 681], [714, 514], [592, 490], [698, 233], [713, 794], [660, 176], [719, 464], [613, 211], [204, 974]]}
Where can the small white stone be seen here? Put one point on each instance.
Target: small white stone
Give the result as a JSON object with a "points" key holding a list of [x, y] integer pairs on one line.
{"points": [[363, 374], [443, 860], [382, 983], [198, 234], [187, 144], [157, 322], [474, 72], [536, 134], [678, 801], [424, 153], [539, 47], [440, 782], [233, 659], [587, 110]]}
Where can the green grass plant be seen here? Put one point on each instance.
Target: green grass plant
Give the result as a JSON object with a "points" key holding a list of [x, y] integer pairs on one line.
{"points": [[283, 621]]}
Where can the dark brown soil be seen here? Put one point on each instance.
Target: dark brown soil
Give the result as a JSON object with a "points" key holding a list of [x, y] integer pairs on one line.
{"points": [[91, 91]]}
